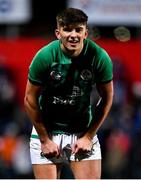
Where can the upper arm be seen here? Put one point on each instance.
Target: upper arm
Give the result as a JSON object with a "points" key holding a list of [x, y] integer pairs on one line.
{"points": [[105, 90], [32, 92], [103, 68]]}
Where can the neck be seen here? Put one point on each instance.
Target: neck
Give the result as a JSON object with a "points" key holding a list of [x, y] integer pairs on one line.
{"points": [[71, 53]]}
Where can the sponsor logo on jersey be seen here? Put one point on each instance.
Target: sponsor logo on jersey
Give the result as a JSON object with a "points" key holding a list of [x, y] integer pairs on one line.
{"points": [[70, 99], [76, 91], [60, 100], [56, 75], [86, 75]]}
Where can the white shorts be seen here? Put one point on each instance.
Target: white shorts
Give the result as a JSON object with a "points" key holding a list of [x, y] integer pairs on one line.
{"points": [[62, 140]]}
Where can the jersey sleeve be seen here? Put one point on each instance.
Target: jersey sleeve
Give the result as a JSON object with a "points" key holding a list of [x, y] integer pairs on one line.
{"points": [[38, 69], [103, 68]]}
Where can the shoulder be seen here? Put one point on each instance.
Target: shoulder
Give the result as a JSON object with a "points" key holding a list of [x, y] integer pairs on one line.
{"points": [[52, 46], [42, 61], [96, 51], [47, 53], [91, 44]]}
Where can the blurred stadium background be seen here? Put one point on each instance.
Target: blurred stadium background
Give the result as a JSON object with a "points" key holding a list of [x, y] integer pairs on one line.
{"points": [[27, 25]]}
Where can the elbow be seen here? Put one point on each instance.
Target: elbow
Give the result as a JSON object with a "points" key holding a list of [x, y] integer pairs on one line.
{"points": [[25, 101], [30, 102], [112, 95]]}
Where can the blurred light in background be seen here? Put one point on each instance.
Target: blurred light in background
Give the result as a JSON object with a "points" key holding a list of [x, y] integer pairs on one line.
{"points": [[122, 34], [96, 33], [110, 12], [15, 11]]}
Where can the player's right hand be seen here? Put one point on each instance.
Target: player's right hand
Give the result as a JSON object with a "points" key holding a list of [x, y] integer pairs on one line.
{"points": [[50, 149]]}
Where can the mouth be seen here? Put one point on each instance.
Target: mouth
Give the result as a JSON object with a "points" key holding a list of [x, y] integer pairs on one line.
{"points": [[73, 42]]}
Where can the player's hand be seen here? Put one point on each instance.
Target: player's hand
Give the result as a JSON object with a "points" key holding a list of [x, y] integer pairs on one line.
{"points": [[82, 145], [50, 149]]}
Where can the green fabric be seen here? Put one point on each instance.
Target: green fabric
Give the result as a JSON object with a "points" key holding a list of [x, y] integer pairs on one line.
{"points": [[65, 101], [34, 136]]}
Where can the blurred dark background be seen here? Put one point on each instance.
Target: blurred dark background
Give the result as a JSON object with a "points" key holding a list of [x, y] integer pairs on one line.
{"points": [[26, 26]]}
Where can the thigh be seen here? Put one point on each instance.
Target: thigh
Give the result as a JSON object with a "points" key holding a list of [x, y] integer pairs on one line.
{"points": [[45, 171], [89, 169], [43, 168]]}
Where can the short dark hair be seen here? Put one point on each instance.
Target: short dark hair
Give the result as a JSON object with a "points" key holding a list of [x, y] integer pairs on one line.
{"points": [[71, 16]]}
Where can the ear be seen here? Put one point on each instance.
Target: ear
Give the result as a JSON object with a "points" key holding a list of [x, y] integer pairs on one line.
{"points": [[86, 34], [57, 33]]}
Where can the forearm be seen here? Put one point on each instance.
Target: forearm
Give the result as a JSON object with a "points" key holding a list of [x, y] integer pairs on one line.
{"points": [[100, 114], [34, 115]]}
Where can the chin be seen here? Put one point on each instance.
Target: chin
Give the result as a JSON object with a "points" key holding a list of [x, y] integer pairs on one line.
{"points": [[73, 47]]}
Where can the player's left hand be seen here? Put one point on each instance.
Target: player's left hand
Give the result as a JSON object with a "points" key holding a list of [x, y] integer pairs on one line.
{"points": [[82, 145]]}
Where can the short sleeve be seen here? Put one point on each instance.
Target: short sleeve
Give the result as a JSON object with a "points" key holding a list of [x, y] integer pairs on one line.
{"points": [[37, 69], [103, 68]]}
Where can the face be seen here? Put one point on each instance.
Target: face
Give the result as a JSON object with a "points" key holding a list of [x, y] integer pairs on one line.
{"points": [[72, 38]]}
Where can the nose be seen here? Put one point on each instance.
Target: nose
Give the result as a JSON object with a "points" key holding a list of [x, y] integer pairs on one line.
{"points": [[73, 33]]}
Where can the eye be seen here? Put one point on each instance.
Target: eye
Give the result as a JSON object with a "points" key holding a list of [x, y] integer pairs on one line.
{"points": [[67, 29], [78, 30]]}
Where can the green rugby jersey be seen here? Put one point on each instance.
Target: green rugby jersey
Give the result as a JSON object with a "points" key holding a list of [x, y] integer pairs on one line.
{"points": [[65, 100]]}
